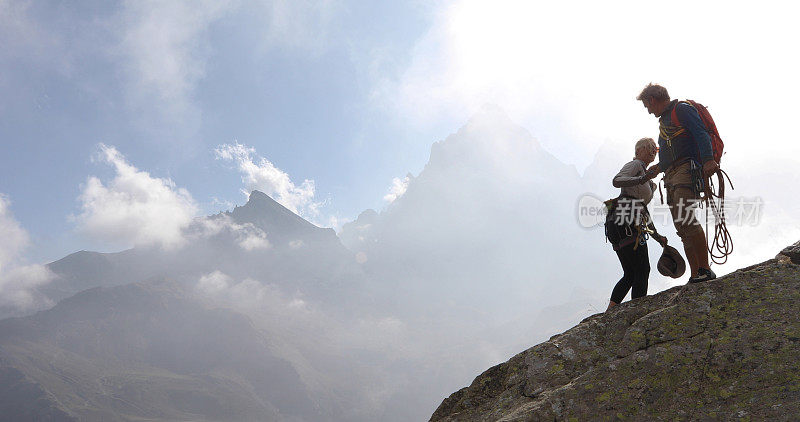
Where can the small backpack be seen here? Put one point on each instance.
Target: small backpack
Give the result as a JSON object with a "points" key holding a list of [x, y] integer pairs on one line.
{"points": [[716, 141]]}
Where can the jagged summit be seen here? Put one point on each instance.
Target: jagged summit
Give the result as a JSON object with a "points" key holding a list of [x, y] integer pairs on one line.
{"points": [[278, 232], [489, 139], [275, 219], [267, 208], [720, 350]]}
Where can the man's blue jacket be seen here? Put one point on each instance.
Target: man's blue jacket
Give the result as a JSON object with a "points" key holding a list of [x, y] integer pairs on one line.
{"points": [[690, 139]]}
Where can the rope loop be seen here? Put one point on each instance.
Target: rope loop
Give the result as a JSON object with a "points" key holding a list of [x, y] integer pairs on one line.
{"points": [[722, 244]]}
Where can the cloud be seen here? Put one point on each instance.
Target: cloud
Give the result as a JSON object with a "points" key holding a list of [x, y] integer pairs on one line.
{"points": [[335, 223], [18, 287], [570, 70], [255, 239], [247, 236], [22, 37], [308, 322], [15, 238], [134, 207], [213, 283], [18, 283], [258, 173], [398, 188], [298, 24], [264, 302], [165, 51], [166, 45]]}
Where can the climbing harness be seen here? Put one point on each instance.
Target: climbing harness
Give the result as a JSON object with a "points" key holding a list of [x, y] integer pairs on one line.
{"points": [[637, 232]]}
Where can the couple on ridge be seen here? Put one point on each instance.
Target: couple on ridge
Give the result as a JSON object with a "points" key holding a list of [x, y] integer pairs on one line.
{"points": [[687, 160]]}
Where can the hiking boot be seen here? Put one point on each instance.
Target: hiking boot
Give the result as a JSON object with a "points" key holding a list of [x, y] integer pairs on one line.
{"points": [[708, 273], [705, 275]]}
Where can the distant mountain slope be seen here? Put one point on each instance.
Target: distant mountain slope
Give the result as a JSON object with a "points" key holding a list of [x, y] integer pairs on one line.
{"points": [[144, 351], [721, 350], [479, 223], [261, 240], [479, 257]]}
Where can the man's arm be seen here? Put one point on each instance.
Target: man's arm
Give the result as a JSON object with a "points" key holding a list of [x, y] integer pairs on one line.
{"points": [[653, 171]]}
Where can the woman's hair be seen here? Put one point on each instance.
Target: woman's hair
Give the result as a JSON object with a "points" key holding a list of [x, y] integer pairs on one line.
{"points": [[644, 142], [657, 92]]}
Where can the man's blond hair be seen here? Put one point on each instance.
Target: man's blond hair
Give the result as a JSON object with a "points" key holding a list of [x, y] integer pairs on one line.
{"points": [[653, 91]]}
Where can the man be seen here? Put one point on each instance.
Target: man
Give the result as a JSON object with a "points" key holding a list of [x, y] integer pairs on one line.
{"points": [[684, 149]]}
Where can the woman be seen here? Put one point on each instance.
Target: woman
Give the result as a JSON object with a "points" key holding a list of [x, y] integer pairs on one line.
{"points": [[628, 223]]}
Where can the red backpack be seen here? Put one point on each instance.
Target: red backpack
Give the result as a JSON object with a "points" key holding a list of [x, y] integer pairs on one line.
{"points": [[716, 141]]}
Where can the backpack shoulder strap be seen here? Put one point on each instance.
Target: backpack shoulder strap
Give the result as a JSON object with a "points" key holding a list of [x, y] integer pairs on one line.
{"points": [[674, 113]]}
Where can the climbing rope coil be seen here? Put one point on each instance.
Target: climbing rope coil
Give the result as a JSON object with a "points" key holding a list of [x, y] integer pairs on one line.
{"points": [[714, 196], [722, 244]]}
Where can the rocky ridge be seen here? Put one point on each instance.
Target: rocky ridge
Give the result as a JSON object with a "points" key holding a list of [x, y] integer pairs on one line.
{"points": [[726, 349]]}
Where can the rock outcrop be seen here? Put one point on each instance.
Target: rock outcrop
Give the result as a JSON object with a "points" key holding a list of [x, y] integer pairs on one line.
{"points": [[790, 253], [721, 350]]}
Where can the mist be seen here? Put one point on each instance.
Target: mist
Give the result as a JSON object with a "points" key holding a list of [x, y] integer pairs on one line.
{"points": [[481, 255]]}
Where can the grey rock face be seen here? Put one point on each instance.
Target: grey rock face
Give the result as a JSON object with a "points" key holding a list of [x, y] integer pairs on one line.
{"points": [[715, 351], [792, 252]]}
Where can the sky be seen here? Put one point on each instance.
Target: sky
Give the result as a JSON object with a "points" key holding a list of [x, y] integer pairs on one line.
{"points": [[120, 121]]}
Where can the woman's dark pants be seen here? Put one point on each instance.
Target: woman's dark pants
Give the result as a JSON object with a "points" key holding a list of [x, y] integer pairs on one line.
{"points": [[636, 271]]}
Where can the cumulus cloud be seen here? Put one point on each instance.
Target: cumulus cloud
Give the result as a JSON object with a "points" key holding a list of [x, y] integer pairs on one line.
{"points": [[247, 236], [134, 207], [18, 283], [258, 173], [213, 283], [398, 188], [254, 240]]}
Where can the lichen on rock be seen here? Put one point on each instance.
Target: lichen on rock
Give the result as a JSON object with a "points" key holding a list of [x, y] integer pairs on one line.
{"points": [[725, 349]]}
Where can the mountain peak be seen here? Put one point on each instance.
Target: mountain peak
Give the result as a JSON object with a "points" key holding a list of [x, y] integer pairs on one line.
{"points": [[261, 204], [275, 219], [258, 197]]}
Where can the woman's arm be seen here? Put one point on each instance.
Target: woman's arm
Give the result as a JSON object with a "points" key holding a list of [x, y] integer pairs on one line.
{"points": [[630, 175], [659, 238]]}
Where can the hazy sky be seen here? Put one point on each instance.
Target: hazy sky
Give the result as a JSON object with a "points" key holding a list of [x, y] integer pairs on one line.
{"points": [[122, 121], [113, 114]]}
